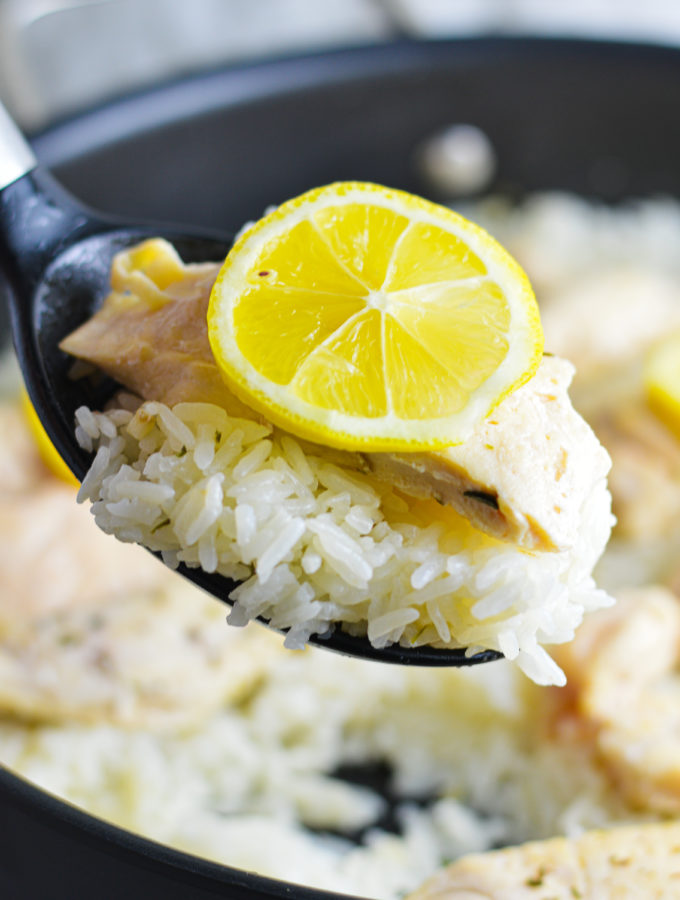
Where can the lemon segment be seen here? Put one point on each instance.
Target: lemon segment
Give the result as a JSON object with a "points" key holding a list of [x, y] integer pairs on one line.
{"points": [[346, 372], [362, 238], [420, 384], [480, 319], [48, 452], [363, 317], [448, 259], [662, 380], [301, 258], [280, 327]]}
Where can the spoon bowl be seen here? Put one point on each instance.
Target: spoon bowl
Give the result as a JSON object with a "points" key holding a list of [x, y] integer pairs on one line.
{"points": [[55, 259]]}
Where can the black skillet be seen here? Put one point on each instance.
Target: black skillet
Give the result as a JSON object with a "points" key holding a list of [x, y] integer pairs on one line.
{"points": [[212, 151]]}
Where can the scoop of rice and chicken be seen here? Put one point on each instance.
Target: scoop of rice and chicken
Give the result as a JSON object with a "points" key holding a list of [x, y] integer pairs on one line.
{"points": [[490, 543], [501, 761]]}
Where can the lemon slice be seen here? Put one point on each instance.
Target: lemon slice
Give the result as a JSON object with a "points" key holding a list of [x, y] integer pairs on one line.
{"points": [[662, 380], [48, 452], [362, 317]]}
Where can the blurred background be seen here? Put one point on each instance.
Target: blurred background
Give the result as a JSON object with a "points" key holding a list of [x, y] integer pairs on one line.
{"points": [[59, 56]]}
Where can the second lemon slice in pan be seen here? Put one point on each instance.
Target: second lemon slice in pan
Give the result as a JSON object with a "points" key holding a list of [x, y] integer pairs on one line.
{"points": [[363, 317], [662, 380]]}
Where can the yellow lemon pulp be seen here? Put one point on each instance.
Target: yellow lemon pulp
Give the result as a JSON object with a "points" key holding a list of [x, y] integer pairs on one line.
{"points": [[363, 317], [46, 449], [662, 380]]}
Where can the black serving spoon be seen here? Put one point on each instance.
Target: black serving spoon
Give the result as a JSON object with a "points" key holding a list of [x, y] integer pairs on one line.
{"points": [[55, 257]]}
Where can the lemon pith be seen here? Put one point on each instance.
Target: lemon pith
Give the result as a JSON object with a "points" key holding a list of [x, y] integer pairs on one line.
{"points": [[367, 318]]}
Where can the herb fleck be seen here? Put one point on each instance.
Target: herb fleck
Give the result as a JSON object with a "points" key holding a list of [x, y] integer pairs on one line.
{"points": [[68, 639], [537, 880], [218, 435], [182, 452]]}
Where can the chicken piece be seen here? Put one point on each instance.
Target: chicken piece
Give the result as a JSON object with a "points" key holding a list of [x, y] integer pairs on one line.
{"points": [[674, 579], [626, 863], [523, 474], [20, 465], [645, 477], [624, 691], [158, 659], [522, 477], [95, 630], [151, 333], [627, 308], [52, 555]]}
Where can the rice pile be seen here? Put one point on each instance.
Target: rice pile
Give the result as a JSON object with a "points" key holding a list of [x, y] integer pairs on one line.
{"points": [[255, 786], [314, 545]]}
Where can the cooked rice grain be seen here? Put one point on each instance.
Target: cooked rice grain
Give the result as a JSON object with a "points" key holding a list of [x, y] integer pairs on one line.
{"points": [[323, 546]]}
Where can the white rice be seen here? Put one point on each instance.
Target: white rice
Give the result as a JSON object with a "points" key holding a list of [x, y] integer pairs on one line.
{"points": [[255, 788], [315, 545]]}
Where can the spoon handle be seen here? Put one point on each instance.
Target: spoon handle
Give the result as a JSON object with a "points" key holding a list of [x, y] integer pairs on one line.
{"points": [[16, 156], [37, 216]]}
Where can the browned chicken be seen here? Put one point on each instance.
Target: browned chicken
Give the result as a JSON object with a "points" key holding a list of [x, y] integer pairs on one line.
{"points": [[43, 567], [640, 862], [624, 695], [645, 477], [94, 630], [629, 308]]}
